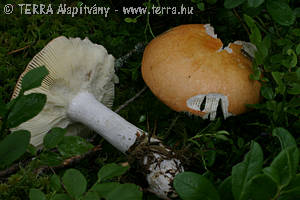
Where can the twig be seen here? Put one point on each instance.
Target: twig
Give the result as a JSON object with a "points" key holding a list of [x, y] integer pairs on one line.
{"points": [[17, 50], [173, 123], [130, 100], [12, 169], [242, 22], [70, 161]]}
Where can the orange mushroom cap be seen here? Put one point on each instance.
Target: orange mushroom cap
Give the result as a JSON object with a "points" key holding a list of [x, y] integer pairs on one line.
{"points": [[188, 64]]}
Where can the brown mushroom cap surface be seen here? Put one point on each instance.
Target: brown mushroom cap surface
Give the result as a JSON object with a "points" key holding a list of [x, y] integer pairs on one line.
{"points": [[187, 61]]}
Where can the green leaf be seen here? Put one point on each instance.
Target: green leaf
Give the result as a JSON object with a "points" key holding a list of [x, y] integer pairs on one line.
{"points": [[73, 145], [25, 108], [298, 74], [130, 20], [255, 3], [292, 194], [232, 3], [295, 183], [293, 61], [91, 196], [104, 189], [298, 49], [267, 92], [285, 138], [190, 186], [273, 174], [255, 36], [294, 102], [256, 72], [296, 32], [297, 12], [278, 79], [128, 191], [111, 170], [262, 52], [74, 182], [53, 138], [50, 158], [294, 89], [3, 109], [276, 58], [210, 156], [285, 165], [222, 132], [244, 171], [34, 78], [32, 150], [61, 197], [292, 191], [35, 194], [211, 1], [222, 137], [260, 187], [225, 189], [281, 12], [112, 191], [55, 183], [292, 77], [201, 6], [13, 146], [267, 41]]}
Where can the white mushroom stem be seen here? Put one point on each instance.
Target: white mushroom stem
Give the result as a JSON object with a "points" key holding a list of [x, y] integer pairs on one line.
{"points": [[84, 108]]}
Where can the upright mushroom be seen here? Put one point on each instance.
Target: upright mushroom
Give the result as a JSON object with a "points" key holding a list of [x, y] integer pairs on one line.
{"points": [[188, 66], [79, 89]]}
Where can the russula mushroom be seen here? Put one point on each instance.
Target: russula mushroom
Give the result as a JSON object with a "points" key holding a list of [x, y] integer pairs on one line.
{"points": [[79, 89], [188, 66]]}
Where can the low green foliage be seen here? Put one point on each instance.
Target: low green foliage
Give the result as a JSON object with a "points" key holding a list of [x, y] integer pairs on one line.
{"points": [[75, 185], [249, 180], [238, 158]]}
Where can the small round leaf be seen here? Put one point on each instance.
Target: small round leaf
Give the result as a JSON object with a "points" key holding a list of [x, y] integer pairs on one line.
{"points": [[74, 182], [13, 146], [193, 186], [281, 12], [36, 194]]}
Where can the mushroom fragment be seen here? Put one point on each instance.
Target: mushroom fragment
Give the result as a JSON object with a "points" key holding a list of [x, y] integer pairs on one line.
{"points": [[80, 90], [188, 68]]}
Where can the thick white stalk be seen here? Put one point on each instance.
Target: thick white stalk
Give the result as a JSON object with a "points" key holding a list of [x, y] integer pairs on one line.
{"points": [[84, 108]]}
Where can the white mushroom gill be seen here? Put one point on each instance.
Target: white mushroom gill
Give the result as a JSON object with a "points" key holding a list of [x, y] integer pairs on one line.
{"points": [[211, 104], [227, 48], [210, 30], [248, 49]]}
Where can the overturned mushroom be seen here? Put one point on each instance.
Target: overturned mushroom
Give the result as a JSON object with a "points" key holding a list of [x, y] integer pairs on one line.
{"points": [[189, 70], [79, 89]]}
